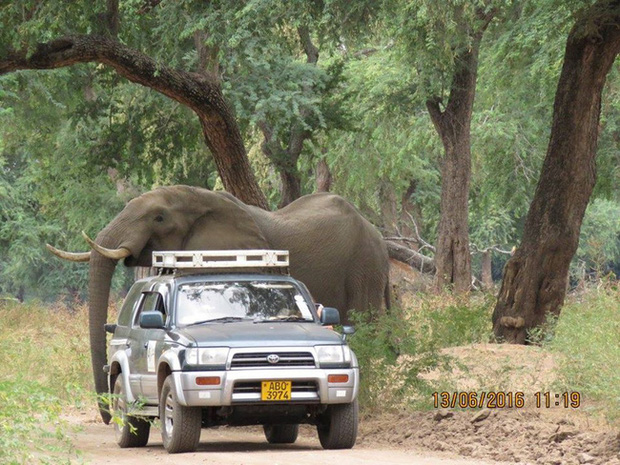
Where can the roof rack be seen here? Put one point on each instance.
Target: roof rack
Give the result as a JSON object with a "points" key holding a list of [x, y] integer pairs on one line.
{"points": [[214, 259]]}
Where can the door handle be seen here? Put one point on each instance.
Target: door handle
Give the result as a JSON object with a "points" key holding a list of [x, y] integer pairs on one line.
{"points": [[146, 344]]}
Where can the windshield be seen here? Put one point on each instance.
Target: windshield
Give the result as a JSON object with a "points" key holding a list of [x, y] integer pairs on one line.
{"points": [[227, 301]]}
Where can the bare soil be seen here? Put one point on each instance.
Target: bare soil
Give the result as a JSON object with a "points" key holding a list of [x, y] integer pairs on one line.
{"points": [[505, 436], [513, 436]]}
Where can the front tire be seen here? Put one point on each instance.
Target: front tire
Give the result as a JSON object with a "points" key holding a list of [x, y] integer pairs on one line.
{"points": [[338, 428], [129, 431], [180, 425], [281, 434]]}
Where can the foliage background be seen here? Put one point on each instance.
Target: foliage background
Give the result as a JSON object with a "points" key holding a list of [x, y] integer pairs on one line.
{"points": [[77, 143]]}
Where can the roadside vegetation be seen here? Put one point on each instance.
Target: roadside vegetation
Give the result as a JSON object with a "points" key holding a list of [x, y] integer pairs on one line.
{"points": [[44, 374], [587, 336], [394, 348], [397, 352]]}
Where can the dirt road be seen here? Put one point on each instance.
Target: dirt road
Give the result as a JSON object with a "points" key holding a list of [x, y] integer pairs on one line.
{"points": [[248, 446]]}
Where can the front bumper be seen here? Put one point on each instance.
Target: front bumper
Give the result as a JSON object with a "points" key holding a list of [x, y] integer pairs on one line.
{"points": [[189, 393]]}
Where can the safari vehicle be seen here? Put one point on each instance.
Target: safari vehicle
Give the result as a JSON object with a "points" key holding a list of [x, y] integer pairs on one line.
{"points": [[228, 338]]}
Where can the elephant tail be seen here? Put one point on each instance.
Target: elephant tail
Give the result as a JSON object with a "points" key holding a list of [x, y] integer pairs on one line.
{"points": [[387, 296]]}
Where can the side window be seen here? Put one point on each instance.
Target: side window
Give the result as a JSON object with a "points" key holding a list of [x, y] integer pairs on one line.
{"points": [[151, 301], [132, 299]]}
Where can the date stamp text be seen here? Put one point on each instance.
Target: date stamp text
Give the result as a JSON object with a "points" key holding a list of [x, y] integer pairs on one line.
{"points": [[505, 399]]}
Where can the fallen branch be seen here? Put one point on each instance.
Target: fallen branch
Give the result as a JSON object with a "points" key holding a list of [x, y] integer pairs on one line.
{"points": [[410, 257]]}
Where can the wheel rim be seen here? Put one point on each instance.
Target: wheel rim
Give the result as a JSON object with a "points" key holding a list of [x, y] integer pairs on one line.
{"points": [[168, 413]]}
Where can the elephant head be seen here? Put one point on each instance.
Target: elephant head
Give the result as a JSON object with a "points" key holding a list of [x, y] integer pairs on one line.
{"points": [[168, 218]]}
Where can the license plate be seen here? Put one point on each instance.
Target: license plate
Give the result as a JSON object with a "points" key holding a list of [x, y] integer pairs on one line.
{"points": [[275, 390]]}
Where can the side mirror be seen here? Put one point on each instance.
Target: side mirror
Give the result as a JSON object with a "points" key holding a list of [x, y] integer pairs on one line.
{"points": [[152, 320], [348, 330], [110, 327], [330, 316]]}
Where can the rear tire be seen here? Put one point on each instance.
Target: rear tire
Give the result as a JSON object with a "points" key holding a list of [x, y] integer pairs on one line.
{"points": [[180, 425], [281, 434], [338, 428], [132, 431]]}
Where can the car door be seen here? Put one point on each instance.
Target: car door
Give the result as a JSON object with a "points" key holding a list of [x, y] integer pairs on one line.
{"points": [[137, 344], [151, 345], [119, 341], [133, 349]]}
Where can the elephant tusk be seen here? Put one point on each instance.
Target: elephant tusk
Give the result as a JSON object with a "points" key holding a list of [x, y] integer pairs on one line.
{"points": [[72, 256], [114, 254]]}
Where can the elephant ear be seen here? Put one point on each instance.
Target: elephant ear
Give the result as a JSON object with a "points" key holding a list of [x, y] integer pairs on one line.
{"points": [[225, 225]]}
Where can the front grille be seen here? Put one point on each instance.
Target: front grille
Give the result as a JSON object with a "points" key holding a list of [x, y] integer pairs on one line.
{"points": [[259, 360], [254, 387]]}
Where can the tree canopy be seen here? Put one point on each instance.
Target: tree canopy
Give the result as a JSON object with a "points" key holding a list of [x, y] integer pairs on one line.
{"points": [[302, 83]]}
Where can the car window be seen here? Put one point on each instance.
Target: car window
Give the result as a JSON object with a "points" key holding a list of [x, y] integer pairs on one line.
{"points": [[132, 299], [150, 301]]}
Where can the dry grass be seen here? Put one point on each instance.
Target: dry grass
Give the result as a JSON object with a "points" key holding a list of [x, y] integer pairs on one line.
{"points": [[44, 370]]}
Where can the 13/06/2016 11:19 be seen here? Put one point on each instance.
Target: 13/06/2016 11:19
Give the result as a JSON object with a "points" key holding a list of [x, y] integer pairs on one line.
{"points": [[505, 399]]}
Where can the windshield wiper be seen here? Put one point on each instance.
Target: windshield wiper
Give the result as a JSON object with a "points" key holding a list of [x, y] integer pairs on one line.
{"points": [[283, 318], [224, 319]]}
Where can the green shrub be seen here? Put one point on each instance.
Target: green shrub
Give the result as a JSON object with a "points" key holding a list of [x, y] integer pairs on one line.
{"points": [[30, 426], [393, 348], [587, 336]]}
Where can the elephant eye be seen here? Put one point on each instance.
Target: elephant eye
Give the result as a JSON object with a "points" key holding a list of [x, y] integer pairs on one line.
{"points": [[159, 218]]}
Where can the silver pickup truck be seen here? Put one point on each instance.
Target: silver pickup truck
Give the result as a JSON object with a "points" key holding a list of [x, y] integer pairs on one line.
{"points": [[218, 338]]}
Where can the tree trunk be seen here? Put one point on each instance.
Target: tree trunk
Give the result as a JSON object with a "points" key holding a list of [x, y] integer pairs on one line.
{"points": [[323, 176], [410, 212], [452, 257], [453, 125], [389, 208], [291, 186], [535, 278], [486, 276], [200, 92]]}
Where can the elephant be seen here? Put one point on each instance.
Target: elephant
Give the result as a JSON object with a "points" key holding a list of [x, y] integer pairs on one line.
{"points": [[333, 249]]}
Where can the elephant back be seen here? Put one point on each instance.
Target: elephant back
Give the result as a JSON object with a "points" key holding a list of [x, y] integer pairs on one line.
{"points": [[339, 254]]}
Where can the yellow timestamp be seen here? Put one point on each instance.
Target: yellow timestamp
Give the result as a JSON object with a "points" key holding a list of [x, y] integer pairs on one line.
{"points": [[559, 399], [505, 399]]}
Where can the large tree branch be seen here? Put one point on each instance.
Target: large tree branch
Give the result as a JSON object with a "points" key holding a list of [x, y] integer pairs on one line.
{"points": [[466, 67], [434, 110], [298, 133], [312, 53], [201, 93], [194, 90], [197, 91]]}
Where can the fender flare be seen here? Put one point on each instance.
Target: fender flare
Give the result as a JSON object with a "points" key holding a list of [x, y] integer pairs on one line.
{"points": [[120, 358], [171, 359]]}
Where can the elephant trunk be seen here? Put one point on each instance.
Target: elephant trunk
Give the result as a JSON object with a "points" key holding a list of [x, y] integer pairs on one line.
{"points": [[100, 279]]}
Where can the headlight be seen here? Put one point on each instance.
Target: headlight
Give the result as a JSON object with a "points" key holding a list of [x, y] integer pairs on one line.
{"points": [[331, 355], [206, 356]]}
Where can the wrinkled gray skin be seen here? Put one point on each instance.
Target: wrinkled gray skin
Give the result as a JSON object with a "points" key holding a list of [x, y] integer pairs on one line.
{"points": [[336, 252]]}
